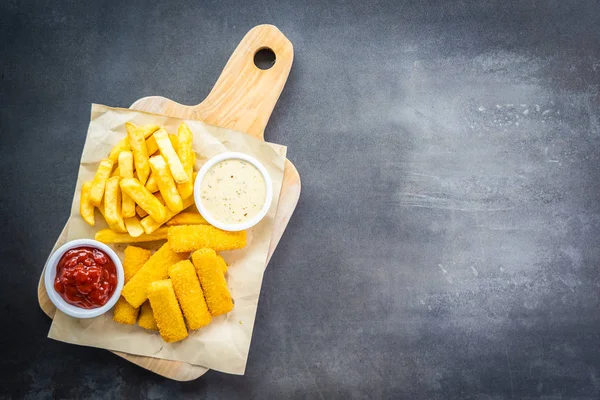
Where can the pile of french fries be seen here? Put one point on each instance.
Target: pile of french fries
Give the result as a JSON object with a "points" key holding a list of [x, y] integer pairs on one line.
{"points": [[146, 181]]}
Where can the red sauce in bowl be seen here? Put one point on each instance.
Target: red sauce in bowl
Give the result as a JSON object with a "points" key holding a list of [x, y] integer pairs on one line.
{"points": [[86, 277]]}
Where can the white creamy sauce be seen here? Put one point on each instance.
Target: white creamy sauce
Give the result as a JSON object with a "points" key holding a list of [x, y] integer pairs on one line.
{"points": [[233, 191]]}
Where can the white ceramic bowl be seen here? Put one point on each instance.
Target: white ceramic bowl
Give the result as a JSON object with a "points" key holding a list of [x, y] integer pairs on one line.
{"points": [[198, 191], [50, 275]]}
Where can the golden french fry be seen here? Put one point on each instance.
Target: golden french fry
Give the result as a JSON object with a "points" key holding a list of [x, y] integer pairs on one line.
{"points": [[187, 218], [134, 227], [184, 148], [86, 208], [167, 151], [116, 172], [165, 183], [124, 144], [150, 225], [151, 183], [185, 189], [126, 171], [140, 152], [110, 236], [188, 158], [111, 225], [141, 212], [174, 141], [99, 182], [151, 145], [112, 203], [134, 189]]}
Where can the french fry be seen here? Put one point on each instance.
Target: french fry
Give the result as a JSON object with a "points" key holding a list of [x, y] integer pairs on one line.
{"points": [[150, 225], [156, 268], [124, 144], [146, 319], [140, 152], [186, 189], [114, 226], [187, 157], [174, 141], [189, 294], [151, 184], [142, 213], [109, 236], [99, 182], [116, 172], [112, 203], [187, 218], [126, 171], [134, 227], [86, 208], [184, 238], [151, 145], [167, 151], [166, 311], [165, 183], [134, 189]]}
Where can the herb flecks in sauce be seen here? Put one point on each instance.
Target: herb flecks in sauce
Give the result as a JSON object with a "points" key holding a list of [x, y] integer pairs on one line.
{"points": [[239, 197]]}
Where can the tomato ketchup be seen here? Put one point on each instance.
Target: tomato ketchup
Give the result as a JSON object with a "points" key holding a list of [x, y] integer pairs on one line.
{"points": [[86, 277]]}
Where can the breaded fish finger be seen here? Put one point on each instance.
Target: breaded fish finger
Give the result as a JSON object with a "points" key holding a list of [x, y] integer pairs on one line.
{"points": [[135, 258], [192, 237], [214, 286], [167, 313], [187, 218], [146, 319], [189, 294], [210, 257], [156, 268]]}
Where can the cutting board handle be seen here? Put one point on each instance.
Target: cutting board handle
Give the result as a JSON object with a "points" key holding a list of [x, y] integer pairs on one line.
{"points": [[244, 96]]}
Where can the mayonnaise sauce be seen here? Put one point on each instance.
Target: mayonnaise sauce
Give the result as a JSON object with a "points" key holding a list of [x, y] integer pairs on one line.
{"points": [[233, 191]]}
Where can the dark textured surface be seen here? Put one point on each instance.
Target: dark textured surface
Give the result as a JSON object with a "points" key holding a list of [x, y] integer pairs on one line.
{"points": [[446, 241]]}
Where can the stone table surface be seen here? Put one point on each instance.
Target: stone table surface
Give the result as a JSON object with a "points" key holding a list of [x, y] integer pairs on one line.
{"points": [[446, 242]]}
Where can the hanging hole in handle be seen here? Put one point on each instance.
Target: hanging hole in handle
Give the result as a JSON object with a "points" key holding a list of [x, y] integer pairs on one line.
{"points": [[264, 58]]}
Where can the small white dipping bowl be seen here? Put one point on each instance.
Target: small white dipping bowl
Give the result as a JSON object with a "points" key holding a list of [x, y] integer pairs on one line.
{"points": [[198, 191], [50, 275]]}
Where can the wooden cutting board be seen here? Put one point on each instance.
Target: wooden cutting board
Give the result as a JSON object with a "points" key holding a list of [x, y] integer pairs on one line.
{"points": [[242, 99]]}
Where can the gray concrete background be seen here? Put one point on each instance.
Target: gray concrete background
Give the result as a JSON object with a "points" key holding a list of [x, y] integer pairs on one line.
{"points": [[446, 241]]}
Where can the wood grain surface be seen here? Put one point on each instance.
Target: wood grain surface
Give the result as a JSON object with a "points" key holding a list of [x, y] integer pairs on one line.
{"points": [[242, 99]]}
